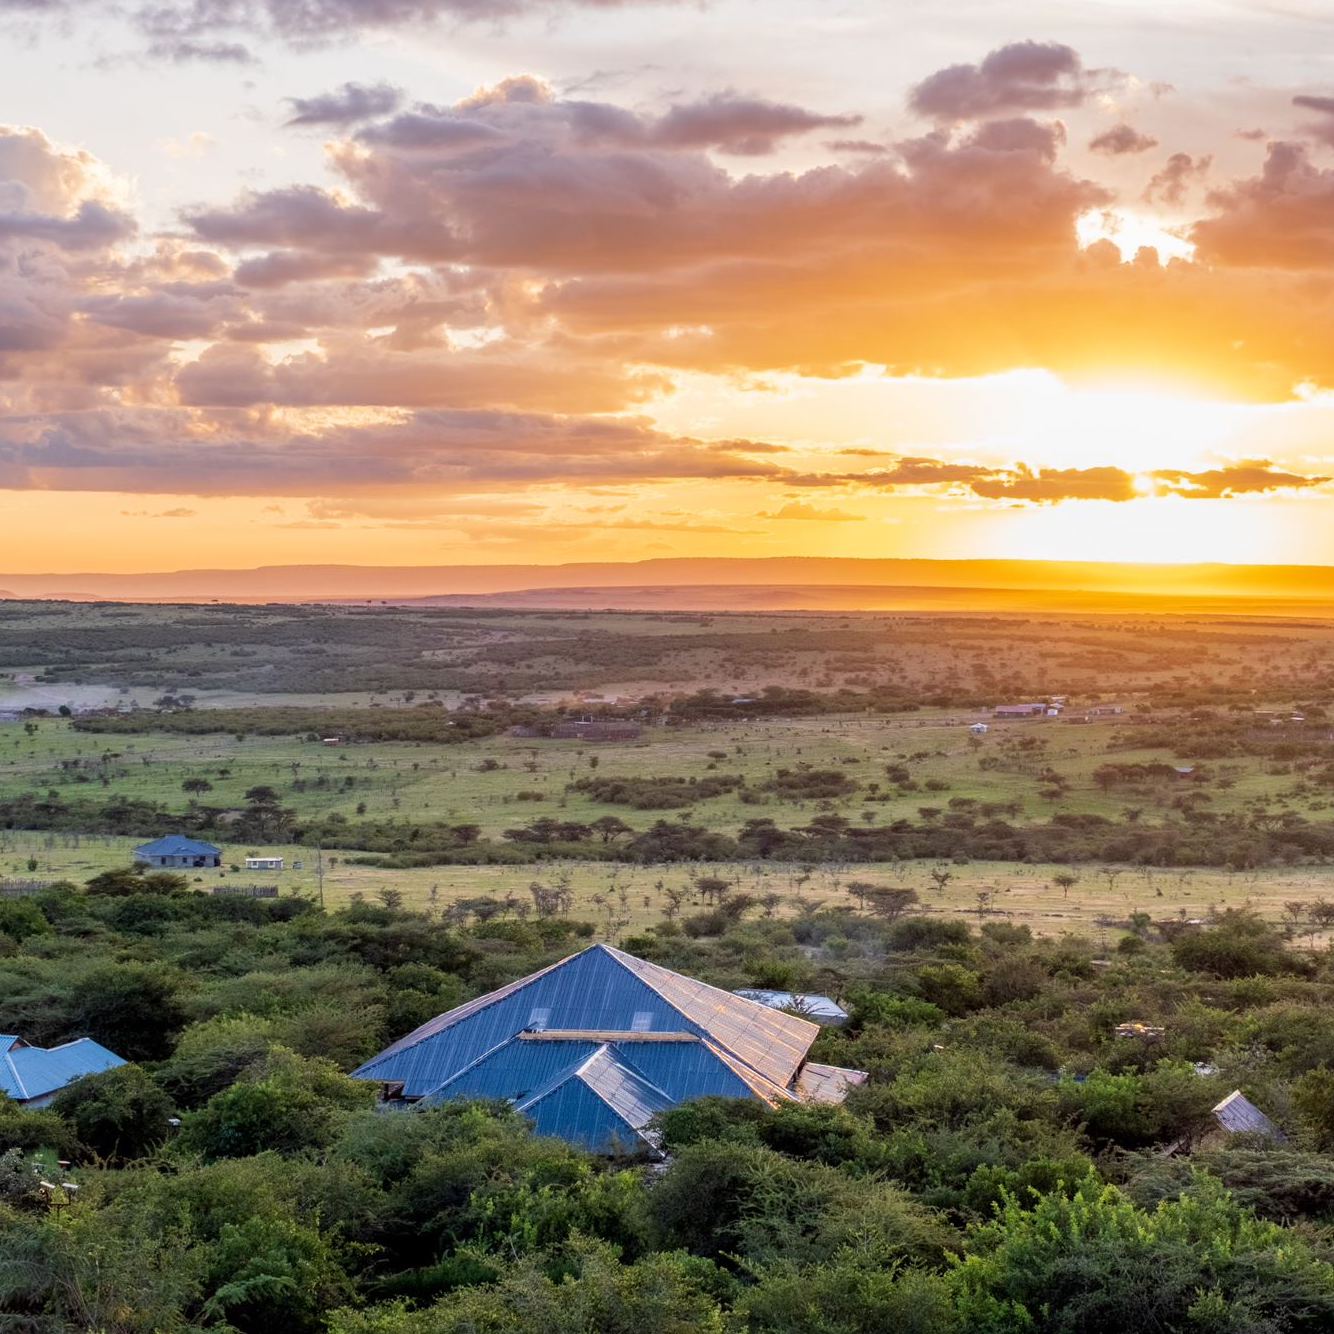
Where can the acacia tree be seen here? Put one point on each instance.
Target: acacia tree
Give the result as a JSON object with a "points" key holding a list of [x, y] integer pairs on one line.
{"points": [[891, 902], [1065, 881]]}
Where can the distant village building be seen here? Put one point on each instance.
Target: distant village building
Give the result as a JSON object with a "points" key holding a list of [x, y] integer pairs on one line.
{"points": [[176, 852], [32, 1076], [594, 1047], [265, 863], [1020, 710], [979, 729], [1107, 710], [1143, 1032]]}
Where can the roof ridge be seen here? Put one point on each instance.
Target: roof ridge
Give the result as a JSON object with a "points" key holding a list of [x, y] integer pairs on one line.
{"points": [[14, 1071], [764, 1013], [572, 1070], [445, 1021], [477, 1060], [626, 1063], [755, 1080]]}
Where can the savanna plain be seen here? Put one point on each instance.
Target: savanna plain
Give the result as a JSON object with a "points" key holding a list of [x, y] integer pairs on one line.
{"points": [[1071, 876]]}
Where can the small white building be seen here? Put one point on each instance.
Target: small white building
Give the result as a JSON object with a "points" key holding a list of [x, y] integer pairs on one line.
{"points": [[265, 863], [822, 1009], [979, 729]]}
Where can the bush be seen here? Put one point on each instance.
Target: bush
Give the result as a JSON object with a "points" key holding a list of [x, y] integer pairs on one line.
{"points": [[583, 1287], [951, 987], [882, 1007], [118, 1115], [1094, 1263], [927, 933], [290, 1104], [136, 879], [1240, 945], [134, 1009]]}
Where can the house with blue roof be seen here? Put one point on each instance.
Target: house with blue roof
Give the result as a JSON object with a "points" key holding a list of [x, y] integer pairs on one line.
{"points": [[32, 1076], [592, 1048], [176, 852]]}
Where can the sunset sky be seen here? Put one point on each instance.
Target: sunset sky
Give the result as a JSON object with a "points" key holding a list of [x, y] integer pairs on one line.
{"points": [[481, 281]]}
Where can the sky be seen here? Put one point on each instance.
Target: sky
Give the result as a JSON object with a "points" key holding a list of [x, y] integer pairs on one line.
{"points": [[537, 281]]}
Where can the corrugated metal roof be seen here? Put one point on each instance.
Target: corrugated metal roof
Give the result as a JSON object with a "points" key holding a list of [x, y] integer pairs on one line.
{"points": [[513, 1071], [1239, 1116], [577, 1112], [625, 1091], [177, 845], [827, 1083], [28, 1072], [767, 1040], [803, 1003], [681, 1069], [598, 990], [596, 1045]]}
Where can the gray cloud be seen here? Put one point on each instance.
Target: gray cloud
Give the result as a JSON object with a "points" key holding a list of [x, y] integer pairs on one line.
{"points": [[347, 105], [1322, 129], [1051, 486], [1178, 174], [1022, 76], [740, 125], [169, 451], [1120, 140], [92, 227], [215, 30]]}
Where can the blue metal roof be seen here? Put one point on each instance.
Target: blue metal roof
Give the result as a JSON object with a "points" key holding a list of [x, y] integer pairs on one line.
{"points": [[596, 1045], [27, 1073], [680, 1066], [604, 990], [177, 845]]}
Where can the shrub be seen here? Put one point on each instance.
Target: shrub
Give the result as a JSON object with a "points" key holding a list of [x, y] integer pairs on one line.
{"points": [[119, 1114]]}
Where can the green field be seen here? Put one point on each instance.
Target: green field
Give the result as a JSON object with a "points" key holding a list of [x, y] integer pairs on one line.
{"points": [[502, 781], [910, 762]]}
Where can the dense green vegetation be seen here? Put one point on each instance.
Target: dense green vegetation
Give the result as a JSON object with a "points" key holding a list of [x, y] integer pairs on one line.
{"points": [[805, 809], [1002, 1170]]}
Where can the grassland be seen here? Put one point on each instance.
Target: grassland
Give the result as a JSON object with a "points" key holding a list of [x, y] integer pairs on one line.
{"points": [[913, 761], [1025, 894], [499, 782]]}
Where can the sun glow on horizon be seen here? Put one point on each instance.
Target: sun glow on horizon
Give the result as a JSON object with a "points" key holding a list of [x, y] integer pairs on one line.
{"points": [[1157, 530]]}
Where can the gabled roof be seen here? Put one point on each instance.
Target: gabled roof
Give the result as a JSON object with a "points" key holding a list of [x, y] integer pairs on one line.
{"points": [[599, 990], [681, 1065], [177, 845], [33, 1072], [593, 1099], [1239, 1116]]}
